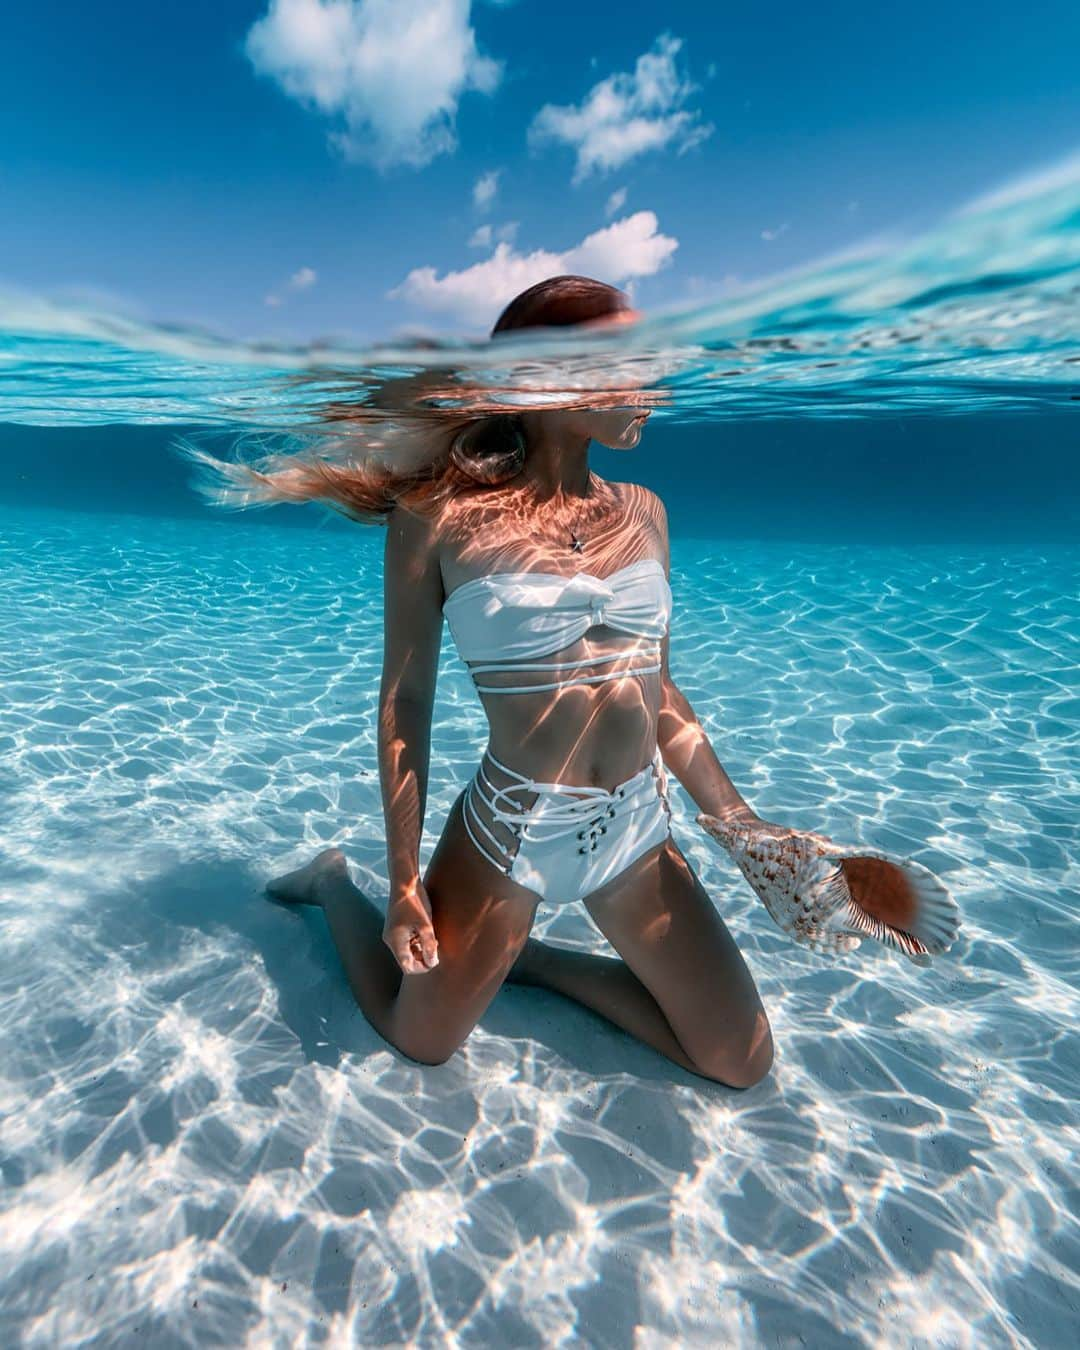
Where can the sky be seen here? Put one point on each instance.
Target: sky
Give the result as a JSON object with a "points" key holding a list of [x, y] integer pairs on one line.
{"points": [[295, 169]]}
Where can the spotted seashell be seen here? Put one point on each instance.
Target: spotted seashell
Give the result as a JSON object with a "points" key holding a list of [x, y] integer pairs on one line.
{"points": [[830, 896]]}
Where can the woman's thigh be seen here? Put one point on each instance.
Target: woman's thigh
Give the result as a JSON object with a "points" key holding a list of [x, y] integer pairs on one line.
{"points": [[660, 920], [481, 920]]}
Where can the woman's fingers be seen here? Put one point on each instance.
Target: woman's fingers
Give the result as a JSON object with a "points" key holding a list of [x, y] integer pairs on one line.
{"points": [[423, 948], [720, 830], [409, 934], [429, 949], [410, 962], [415, 948]]}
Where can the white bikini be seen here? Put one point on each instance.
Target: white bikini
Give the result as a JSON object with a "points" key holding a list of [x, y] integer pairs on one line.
{"points": [[570, 839]]}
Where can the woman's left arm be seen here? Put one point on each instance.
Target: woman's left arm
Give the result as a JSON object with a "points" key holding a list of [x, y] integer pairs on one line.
{"points": [[689, 755], [682, 740]]}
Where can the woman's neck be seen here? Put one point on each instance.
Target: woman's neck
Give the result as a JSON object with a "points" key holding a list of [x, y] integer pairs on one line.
{"points": [[555, 464]]}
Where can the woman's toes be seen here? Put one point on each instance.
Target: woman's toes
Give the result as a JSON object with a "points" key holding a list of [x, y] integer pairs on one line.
{"points": [[301, 886]]}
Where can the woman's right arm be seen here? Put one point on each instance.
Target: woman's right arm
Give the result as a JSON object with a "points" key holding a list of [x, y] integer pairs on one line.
{"points": [[413, 597]]}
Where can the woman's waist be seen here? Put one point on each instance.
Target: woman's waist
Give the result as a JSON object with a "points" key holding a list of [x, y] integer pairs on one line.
{"points": [[603, 748]]}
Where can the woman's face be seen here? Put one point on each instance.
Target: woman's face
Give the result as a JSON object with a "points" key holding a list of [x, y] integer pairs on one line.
{"points": [[612, 417], [617, 428]]}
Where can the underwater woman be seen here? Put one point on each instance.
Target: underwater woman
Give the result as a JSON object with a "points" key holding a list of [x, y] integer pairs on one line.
{"points": [[555, 586]]}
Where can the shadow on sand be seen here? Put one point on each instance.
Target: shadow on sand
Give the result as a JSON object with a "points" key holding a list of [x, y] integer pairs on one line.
{"points": [[314, 1000]]}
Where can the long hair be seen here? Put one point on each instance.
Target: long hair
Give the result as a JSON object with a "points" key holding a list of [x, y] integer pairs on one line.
{"points": [[397, 453]]}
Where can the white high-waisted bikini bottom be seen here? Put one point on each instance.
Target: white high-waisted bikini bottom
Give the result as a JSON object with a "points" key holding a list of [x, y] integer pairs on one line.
{"points": [[572, 839]]}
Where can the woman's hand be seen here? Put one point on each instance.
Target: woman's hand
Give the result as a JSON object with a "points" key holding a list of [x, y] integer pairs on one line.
{"points": [[730, 827], [830, 896], [768, 827], [408, 931]]}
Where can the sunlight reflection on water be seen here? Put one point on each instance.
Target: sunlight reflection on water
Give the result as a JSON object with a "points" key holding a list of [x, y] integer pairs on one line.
{"points": [[981, 313]]}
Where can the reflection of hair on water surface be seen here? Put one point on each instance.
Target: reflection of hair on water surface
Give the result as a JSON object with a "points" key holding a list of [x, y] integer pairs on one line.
{"points": [[422, 438]]}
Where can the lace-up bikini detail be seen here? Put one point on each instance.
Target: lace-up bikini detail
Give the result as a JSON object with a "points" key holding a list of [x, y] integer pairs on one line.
{"points": [[557, 837]]}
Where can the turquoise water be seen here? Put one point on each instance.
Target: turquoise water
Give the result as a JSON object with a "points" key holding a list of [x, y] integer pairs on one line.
{"points": [[194, 1109], [201, 1139], [980, 314]]}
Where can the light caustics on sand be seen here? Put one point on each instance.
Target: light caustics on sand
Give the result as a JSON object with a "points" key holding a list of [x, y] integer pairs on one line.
{"points": [[204, 1143], [201, 1140], [981, 313]]}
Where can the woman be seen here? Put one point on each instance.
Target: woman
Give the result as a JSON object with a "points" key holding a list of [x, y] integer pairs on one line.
{"points": [[555, 586]]}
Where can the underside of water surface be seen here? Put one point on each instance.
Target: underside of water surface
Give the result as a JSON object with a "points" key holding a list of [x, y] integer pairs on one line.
{"points": [[982, 313]]}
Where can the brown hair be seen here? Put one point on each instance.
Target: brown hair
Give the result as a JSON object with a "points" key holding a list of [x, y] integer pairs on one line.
{"points": [[487, 449], [561, 301]]}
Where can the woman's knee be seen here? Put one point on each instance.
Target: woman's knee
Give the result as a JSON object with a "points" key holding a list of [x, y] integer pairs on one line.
{"points": [[429, 1056], [427, 1046], [739, 1060], [427, 1040]]}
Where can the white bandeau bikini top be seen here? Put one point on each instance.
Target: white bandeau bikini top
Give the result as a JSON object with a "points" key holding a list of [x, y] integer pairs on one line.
{"points": [[506, 619]]}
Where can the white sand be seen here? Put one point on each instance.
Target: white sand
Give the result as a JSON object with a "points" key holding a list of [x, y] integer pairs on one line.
{"points": [[204, 1143]]}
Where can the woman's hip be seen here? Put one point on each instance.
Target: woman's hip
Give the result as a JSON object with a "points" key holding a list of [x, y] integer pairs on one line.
{"points": [[564, 840]]}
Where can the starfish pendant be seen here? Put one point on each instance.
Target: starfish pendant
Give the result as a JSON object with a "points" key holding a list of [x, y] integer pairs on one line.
{"points": [[575, 542]]}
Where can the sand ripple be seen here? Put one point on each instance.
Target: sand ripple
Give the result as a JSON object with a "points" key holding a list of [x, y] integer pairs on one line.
{"points": [[202, 1142]]}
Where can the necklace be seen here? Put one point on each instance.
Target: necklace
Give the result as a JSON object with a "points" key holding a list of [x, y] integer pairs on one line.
{"points": [[576, 541]]}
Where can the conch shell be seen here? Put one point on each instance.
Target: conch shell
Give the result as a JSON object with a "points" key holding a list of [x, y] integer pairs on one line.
{"points": [[830, 896]]}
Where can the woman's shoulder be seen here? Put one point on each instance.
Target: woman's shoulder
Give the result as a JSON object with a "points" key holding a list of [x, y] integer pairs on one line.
{"points": [[638, 497], [642, 511], [414, 531]]}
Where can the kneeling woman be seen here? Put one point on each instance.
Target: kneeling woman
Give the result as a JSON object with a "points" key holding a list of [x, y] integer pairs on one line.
{"points": [[555, 585]]}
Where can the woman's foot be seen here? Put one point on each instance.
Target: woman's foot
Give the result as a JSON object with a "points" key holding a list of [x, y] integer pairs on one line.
{"points": [[302, 887]]}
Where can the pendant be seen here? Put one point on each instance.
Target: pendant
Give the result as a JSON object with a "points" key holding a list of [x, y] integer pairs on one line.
{"points": [[575, 542]]}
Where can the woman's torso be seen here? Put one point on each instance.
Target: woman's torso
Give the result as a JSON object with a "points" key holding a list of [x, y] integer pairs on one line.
{"points": [[597, 734]]}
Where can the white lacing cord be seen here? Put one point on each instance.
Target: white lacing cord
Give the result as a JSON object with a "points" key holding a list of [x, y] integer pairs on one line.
{"points": [[570, 815], [502, 864], [652, 653], [565, 684]]}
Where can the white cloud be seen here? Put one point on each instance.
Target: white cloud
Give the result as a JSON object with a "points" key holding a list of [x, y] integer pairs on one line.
{"points": [[301, 280], [627, 114], [632, 247], [389, 74], [485, 188], [775, 234], [629, 248], [486, 235], [615, 202]]}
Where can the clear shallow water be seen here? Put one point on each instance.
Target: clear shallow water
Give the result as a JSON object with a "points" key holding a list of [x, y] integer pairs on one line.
{"points": [[200, 1138], [980, 313], [203, 1142]]}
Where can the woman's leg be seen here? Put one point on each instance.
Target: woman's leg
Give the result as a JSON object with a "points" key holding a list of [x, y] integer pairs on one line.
{"points": [[604, 984], [481, 921], [682, 985]]}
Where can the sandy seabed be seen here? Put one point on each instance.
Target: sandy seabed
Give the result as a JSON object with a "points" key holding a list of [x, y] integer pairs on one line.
{"points": [[203, 1143]]}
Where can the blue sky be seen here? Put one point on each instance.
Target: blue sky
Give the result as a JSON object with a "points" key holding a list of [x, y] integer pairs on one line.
{"points": [[293, 168]]}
